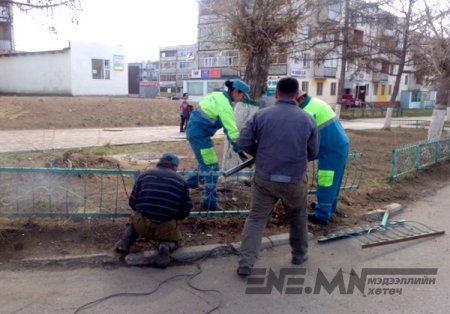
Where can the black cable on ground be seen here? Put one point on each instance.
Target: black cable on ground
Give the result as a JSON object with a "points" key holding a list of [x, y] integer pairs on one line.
{"points": [[197, 261]]}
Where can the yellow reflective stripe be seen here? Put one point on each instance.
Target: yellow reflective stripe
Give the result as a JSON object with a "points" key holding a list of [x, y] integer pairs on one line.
{"points": [[209, 156], [325, 178]]}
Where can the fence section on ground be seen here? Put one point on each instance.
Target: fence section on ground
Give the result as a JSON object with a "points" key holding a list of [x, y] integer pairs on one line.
{"points": [[413, 157], [103, 193]]}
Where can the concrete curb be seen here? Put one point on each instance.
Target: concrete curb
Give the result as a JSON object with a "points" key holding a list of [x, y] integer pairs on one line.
{"points": [[89, 259], [377, 214], [188, 254], [184, 254]]}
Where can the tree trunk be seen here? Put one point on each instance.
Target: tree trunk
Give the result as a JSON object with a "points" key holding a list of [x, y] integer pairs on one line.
{"points": [[337, 110], [401, 66], [388, 118], [257, 71], [437, 124], [448, 114], [345, 32]]}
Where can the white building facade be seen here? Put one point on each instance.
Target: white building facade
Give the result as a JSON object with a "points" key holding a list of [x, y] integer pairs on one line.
{"points": [[80, 69]]}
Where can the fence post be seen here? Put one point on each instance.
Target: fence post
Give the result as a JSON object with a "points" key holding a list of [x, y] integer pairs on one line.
{"points": [[393, 166], [436, 151], [418, 156]]}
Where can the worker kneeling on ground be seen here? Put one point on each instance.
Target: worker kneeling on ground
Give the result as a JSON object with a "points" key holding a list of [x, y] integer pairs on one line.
{"points": [[160, 197], [333, 152]]}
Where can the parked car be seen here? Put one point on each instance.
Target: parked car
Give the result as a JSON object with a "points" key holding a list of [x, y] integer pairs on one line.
{"points": [[348, 101], [176, 97]]}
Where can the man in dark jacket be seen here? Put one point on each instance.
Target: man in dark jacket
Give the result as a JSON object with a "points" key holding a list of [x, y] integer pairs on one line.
{"points": [[281, 137], [160, 197]]}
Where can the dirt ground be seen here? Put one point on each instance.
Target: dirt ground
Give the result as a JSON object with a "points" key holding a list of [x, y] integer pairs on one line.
{"points": [[21, 238], [27, 113]]}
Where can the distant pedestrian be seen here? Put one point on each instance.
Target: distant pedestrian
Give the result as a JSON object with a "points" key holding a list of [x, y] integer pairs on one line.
{"points": [[160, 197], [185, 112], [282, 137]]}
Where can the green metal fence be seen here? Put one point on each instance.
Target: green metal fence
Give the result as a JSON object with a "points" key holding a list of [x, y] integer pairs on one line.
{"points": [[415, 123], [354, 113], [413, 157], [103, 193]]}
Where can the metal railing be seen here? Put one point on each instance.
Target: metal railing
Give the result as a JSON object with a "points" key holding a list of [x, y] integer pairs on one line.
{"points": [[353, 113], [104, 193], [413, 157]]}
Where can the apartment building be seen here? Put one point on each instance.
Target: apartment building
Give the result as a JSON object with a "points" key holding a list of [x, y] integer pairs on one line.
{"points": [[369, 80], [175, 65], [143, 78], [6, 31]]}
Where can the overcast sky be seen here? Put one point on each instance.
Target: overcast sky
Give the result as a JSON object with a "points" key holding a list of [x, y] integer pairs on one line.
{"points": [[141, 26]]}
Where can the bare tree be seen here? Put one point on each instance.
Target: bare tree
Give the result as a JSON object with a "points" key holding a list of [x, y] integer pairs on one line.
{"points": [[432, 58], [49, 7], [261, 30], [405, 26]]}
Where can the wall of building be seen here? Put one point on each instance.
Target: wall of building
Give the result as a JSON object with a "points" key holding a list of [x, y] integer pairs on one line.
{"points": [[83, 82], [36, 73]]}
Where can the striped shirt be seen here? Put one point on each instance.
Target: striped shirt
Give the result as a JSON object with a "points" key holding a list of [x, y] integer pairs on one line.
{"points": [[161, 195]]}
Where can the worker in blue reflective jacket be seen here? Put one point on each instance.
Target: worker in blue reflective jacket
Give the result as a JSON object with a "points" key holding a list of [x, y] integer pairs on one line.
{"points": [[332, 157], [213, 112]]}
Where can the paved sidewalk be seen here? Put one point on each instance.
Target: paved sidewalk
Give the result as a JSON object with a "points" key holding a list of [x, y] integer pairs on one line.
{"points": [[32, 140]]}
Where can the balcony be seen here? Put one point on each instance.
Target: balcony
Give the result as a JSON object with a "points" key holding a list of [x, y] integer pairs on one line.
{"points": [[168, 70], [323, 72], [380, 77]]}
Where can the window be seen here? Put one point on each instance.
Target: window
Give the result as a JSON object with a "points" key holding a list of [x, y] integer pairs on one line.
{"points": [[333, 89], [330, 61], [186, 65], [390, 89], [230, 58], [306, 60], [383, 89], [168, 65], [375, 89], [168, 54], [415, 96], [358, 37], [100, 69], [406, 79], [167, 77], [214, 86], [195, 88], [208, 60], [306, 31], [305, 87], [319, 91], [367, 89]]}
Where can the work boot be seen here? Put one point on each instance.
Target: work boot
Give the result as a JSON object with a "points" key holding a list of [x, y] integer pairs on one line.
{"points": [[244, 271], [312, 218], [130, 235], [298, 260], [162, 260]]}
